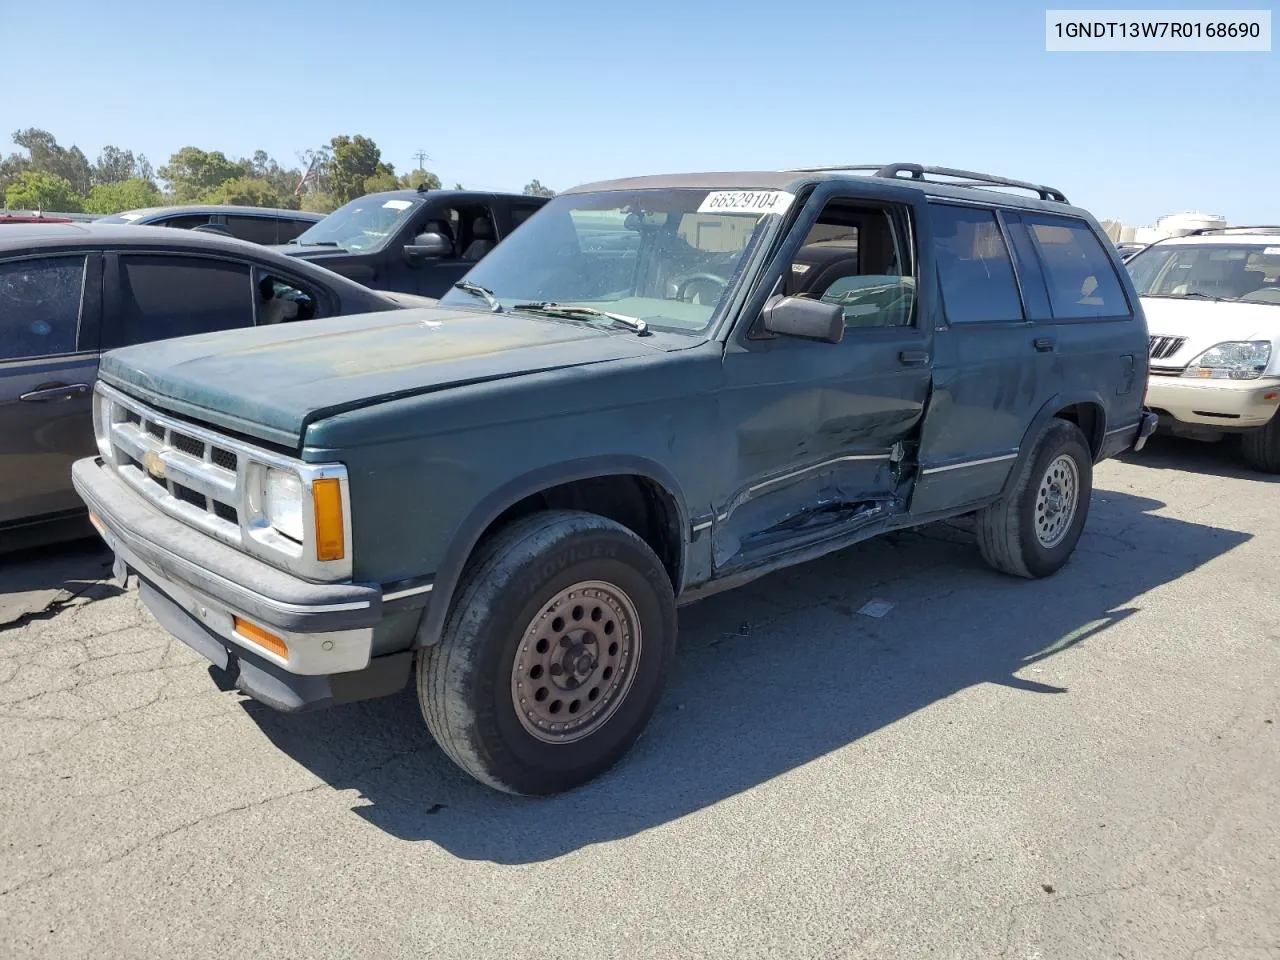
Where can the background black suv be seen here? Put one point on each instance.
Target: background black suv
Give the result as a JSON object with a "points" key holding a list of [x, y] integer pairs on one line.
{"points": [[413, 241]]}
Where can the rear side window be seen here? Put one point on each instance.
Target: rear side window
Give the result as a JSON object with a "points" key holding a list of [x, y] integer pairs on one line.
{"points": [[40, 306], [1081, 280], [253, 229], [162, 297], [182, 222], [521, 212], [973, 266], [287, 229]]}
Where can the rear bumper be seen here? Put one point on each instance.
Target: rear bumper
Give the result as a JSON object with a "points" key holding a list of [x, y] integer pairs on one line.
{"points": [[1221, 404], [197, 588], [1134, 436]]}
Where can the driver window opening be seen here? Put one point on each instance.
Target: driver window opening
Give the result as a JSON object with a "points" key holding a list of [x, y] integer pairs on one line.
{"points": [[280, 301], [856, 256]]}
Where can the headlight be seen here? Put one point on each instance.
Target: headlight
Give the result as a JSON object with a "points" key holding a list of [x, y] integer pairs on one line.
{"points": [[282, 505], [1236, 360]]}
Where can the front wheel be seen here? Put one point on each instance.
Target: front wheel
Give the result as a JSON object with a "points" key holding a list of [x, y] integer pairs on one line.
{"points": [[1261, 446], [1033, 532], [554, 655]]}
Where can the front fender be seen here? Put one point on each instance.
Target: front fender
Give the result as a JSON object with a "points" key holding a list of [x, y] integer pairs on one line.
{"points": [[472, 529]]}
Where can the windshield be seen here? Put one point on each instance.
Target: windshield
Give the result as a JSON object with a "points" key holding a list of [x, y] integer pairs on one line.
{"points": [[666, 257], [363, 224], [1248, 272]]}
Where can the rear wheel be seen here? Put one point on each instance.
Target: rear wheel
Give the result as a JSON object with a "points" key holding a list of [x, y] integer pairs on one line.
{"points": [[1261, 446], [1034, 531], [554, 655]]}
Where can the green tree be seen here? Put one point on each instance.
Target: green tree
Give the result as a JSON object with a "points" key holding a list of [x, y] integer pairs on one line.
{"points": [[191, 173], [380, 182], [47, 156], [458, 186], [354, 160], [319, 202], [247, 192], [38, 190], [123, 195], [420, 178], [534, 188], [116, 166], [283, 180]]}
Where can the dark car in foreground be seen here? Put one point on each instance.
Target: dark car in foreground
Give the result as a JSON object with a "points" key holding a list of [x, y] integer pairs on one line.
{"points": [[264, 225], [656, 389], [70, 291], [413, 241]]}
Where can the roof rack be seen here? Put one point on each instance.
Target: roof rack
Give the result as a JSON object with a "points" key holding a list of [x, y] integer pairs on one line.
{"points": [[1256, 228], [969, 178]]}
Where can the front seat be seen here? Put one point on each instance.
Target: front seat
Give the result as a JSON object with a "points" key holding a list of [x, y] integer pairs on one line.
{"points": [[481, 239], [442, 227]]}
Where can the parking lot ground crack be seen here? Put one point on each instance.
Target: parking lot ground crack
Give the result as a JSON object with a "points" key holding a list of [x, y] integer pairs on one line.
{"points": [[198, 821]]}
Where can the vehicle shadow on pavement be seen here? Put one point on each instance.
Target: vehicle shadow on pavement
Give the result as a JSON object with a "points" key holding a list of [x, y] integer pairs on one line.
{"points": [[1220, 459], [770, 677], [36, 583]]}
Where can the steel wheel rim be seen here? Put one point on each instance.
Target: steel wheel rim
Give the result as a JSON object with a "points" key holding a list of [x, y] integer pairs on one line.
{"points": [[1056, 500], [580, 652]]}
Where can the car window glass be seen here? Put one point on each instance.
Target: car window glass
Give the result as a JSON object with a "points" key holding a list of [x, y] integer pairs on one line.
{"points": [[973, 266], [281, 300], [287, 228], [520, 213], [253, 229], [1082, 283], [40, 306], [854, 257], [183, 222], [164, 297]]}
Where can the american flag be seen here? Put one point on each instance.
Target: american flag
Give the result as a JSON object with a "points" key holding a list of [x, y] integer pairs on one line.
{"points": [[308, 177]]}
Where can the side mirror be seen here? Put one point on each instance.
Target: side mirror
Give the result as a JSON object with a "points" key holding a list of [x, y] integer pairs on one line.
{"points": [[801, 317], [427, 246]]}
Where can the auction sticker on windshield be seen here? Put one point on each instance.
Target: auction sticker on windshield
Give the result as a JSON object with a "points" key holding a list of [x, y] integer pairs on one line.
{"points": [[398, 204], [746, 201]]}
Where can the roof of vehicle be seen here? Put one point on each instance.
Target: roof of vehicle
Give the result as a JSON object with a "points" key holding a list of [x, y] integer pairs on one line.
{"points": [[38, 237], [142, 213], [1227, 236], [461, 195], [963, 185]]}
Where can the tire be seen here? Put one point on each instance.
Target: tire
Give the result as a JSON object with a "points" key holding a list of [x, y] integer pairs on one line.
{"points": [[619, 612], [1010, 531], [1261, 446]]}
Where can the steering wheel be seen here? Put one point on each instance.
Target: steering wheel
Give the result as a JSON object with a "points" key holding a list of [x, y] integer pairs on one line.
{"points": [[683, 283]]}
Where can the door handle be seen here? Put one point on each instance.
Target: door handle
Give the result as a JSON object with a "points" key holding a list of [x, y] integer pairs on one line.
{"points": [[1044, 344], [913, 358], [61, 391]]}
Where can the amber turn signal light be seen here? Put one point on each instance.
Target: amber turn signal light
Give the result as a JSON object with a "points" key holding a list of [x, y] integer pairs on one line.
{"points": [[262, 638], [326, 494]]}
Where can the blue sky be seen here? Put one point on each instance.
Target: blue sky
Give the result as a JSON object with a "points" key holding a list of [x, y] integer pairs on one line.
{"points": [[501, 92]]}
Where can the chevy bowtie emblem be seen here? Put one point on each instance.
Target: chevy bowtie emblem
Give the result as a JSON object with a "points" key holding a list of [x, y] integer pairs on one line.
{"points": [[154, 465]]}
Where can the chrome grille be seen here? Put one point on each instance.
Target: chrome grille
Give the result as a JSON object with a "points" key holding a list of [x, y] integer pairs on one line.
{"points": [[215, 483], [1162, 348], [179, 467]]}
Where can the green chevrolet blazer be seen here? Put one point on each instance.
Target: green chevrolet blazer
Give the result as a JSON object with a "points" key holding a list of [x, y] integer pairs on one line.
{"points": [[656, 389]]}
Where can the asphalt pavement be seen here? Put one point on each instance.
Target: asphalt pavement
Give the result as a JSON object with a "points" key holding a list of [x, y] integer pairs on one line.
{"points": [[1082, 767]]}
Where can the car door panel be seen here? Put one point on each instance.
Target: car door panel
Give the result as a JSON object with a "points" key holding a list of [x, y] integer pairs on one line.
{"points": [[815, 434], [46, 418]]}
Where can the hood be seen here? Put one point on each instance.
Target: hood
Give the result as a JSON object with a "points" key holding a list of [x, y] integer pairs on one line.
{"points": [[1201, 324], [269, 382]]}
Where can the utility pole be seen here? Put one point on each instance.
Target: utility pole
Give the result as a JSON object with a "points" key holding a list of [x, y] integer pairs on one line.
{"points": [[422, 157]]}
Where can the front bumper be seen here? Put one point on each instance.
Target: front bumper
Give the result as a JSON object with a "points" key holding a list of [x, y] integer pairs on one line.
{"points": [[1221, 404], [197, 588]]}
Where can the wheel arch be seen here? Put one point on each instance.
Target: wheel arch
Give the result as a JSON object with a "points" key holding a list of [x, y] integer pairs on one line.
{"points": [[1085, 409], [514, 499]]}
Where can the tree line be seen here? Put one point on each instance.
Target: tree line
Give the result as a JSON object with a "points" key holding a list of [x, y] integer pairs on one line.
{"points": [[44, 175]]}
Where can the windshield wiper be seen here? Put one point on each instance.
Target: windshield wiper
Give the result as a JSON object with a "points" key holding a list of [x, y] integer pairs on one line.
{"points": [[478, 291], [313, 243], [571, 312]]}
